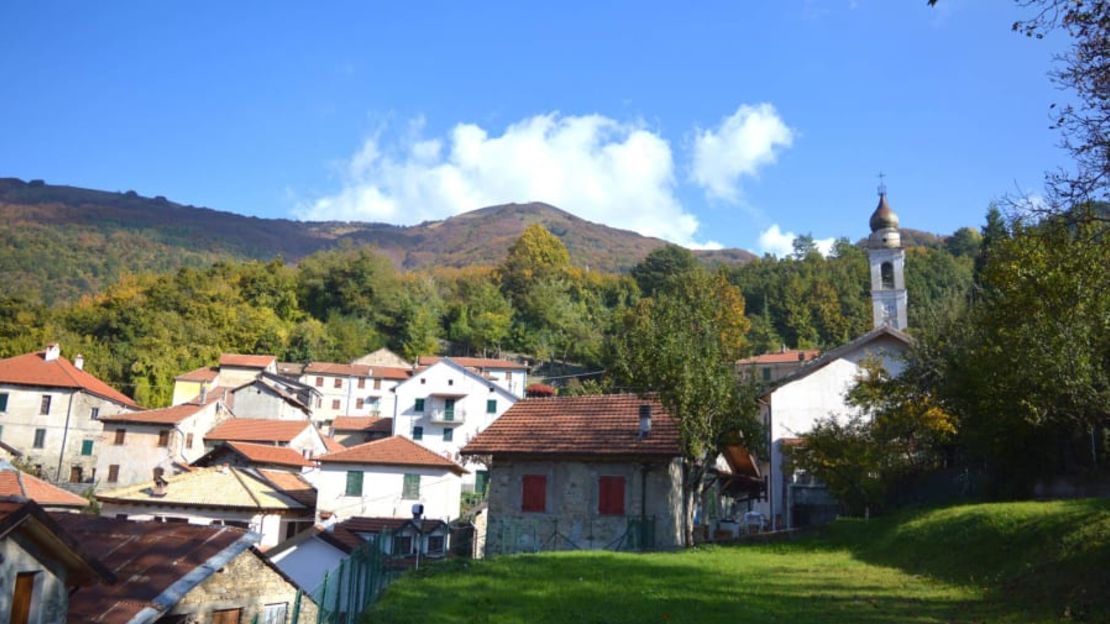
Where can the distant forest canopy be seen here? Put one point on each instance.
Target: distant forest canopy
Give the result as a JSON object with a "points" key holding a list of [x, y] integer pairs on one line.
{"points": [[167, 316]]}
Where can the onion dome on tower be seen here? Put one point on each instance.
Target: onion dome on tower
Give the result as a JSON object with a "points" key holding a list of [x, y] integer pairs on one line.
{"points": [[884, 224]]}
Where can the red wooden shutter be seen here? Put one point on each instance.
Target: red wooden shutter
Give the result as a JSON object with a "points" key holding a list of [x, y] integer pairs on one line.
{"points": [[534, 496], [610, 496]]}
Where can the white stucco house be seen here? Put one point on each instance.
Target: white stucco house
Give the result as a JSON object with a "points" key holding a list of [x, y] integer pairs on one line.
{"points": [[301, 435], [384, 478], [513, 376], [352, 389], [446, 405]]}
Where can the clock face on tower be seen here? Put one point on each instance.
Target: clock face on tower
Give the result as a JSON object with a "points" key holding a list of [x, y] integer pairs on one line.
{"points": [[889, 312]]}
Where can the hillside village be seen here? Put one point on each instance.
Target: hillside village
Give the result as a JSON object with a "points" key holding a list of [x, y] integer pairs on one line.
{"points": [[295, 467]]}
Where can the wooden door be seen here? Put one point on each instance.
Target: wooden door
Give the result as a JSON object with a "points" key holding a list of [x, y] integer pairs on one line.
{"points": [[226, 616], [21, 599], [75, 474]]}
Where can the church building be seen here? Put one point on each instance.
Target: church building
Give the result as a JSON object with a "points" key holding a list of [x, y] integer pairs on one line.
{"points": [[792, 404]]}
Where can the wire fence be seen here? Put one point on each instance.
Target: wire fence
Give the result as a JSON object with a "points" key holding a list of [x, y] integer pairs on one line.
{"points": [[348, 590], [515, 535]]}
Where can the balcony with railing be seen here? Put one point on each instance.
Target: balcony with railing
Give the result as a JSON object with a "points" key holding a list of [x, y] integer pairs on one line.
{"points": [[448, 415]]}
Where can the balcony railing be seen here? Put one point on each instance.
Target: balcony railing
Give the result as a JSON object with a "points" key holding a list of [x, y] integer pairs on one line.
{"points": [[442, 416]]}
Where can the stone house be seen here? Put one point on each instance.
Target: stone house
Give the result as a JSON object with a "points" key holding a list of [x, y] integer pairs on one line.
{"points": [[42, 564], [587, 472], [354, 430], [512, 376], [383, 357], [272, 398], [445, 405], [181, 574], [300, 435], [233, 370], [352, 389], [137, 447], [272, 504], [50, 409], [16, 484], [385, 478]]}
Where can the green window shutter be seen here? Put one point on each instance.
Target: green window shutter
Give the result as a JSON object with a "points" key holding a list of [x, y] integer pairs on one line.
{"points": [[40, 438], [417, 433], [86, 447], [354, 483], [411, 488], [419, 405], [448, 434], [3, 401], [491, 406], [481, 481]]}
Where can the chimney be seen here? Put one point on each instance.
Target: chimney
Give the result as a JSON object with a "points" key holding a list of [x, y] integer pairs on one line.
{"points": [[159, 489], [52, 352], [79, 362], [801, 356], [645, 420]]}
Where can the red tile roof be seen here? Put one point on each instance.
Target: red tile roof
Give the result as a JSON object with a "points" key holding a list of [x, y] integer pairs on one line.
{"points": [[581, 425], [146, 557], [346, 536], [165, 416], [390, 372], [790, 356], [246, 361], [331, 444], [363, 423], [292, 485], [32, 369], [266, 454], [204, 373], [473, 362], [257, 430], [392, 451], [332, 368], [16, 483]]}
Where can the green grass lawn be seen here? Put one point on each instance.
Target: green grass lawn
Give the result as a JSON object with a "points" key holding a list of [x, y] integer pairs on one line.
{"points": [[1007, 562]]}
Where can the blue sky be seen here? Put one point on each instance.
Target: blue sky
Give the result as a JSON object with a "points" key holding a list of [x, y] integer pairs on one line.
{"points": [[713, 122]]}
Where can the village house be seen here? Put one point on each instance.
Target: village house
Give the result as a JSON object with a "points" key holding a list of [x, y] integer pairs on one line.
{"points": [[300, 435], [251, 455], [307, 557], [222, 495], [273, 398], [42, 565], [137, 447], [181, 574], [771, 367], [383, 357], [50, 409], [351, 389], [445, 405], [792, 405], [232, 371], [385, 478], [512, 376], [586, 472], [15, 483], [354, 430]]}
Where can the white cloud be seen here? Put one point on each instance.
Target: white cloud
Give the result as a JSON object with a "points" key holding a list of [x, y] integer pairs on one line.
{"points": [[781, 244], [748, 139], [600, 169]]}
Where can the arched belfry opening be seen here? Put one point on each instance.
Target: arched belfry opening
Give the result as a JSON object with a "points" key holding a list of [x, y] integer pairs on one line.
{"points": [[886, 256], [886, 273]]}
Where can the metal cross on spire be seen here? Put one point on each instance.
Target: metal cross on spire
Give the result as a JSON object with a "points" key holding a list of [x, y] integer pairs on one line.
{"points": [[882, 183]]}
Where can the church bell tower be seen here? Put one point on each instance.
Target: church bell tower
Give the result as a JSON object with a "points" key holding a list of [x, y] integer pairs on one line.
{"points": [[888, 285]]}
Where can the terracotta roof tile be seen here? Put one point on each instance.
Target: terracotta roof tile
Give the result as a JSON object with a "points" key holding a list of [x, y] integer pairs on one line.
{"points": [[582, 425], [346, 534], [204, 373], [390, 372], [257, 430], [221, 487], [332, 368], [782, 357], [392, 451], [14, 482], [332, 444], [32, 369], [473, 362], [246, 361], [165, 416], [363, 423], [146, 557], [266, 454], [292, 484]]}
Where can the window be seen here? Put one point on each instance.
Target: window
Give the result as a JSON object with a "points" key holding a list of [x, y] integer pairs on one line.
{"points": [[3, 401], [410, 490], [417, 433], [449, 409], [40, 438], [275, 613], [86, 447], [361, 383], [377, 383], [886, 271], [359, 404], [121, 434], [164, 437], [354, 483], [481, 481], [94, 413], [44, 406], [113, 473], [21, 597], [610, 496], [402, 545], [226, 616], [766, 373], [319, 382], [491, 406], [534, 493], [188, 440], [435, 544], [419, 406], [335, 404], [448, 434], [338, 383], [319, 402]]}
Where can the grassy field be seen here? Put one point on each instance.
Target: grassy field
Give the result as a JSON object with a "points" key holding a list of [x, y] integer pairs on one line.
{"points": [[1008, 562]]}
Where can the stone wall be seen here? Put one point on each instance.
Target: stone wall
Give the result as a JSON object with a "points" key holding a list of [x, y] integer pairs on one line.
{"points": [[49, 600], [246, 583], [572, 519]]}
